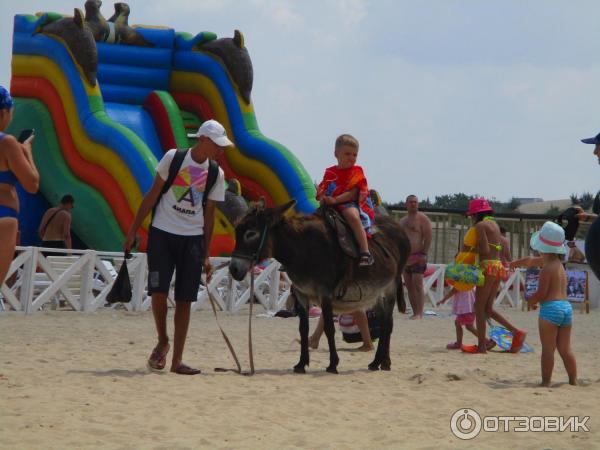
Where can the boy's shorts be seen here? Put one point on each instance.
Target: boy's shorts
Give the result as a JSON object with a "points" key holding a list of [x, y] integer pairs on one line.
{"points": [[184, 254]]}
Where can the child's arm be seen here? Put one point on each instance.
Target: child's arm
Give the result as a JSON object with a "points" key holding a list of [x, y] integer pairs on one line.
{"points": [[542, 291], [450, 293], [345, 197], [528, 261]]}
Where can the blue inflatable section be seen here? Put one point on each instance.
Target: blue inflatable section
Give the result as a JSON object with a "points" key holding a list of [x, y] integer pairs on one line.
{"points": [[119, 139], [137, 120], [32, 208]]}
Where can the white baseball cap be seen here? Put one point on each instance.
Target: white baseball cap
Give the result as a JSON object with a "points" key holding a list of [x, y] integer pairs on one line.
{"points": [[215, 131]]}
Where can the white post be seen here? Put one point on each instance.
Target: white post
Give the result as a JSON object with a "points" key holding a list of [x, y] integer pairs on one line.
{"points": [[28, 275], [87, 279], [230, 293]]}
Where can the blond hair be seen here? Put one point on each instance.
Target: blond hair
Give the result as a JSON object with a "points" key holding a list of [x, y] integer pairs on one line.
{"points": [[346, 139]]}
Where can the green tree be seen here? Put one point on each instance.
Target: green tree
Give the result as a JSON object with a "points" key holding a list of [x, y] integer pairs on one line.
{"points": [[586, 199]]}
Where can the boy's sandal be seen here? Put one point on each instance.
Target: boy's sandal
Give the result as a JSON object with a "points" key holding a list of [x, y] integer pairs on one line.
{"points": [[453, 346], [365, 259]]}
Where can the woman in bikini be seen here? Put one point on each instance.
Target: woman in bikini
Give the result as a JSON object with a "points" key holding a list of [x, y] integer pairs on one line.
{"points": [[489, 249], [16, 165]]}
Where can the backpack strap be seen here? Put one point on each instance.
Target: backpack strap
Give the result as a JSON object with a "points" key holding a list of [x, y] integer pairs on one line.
{"points": [[176, 163], [48, 223], [211, 179]]}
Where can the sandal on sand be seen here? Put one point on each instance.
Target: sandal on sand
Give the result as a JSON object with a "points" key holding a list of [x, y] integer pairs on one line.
{"points": [[182, 369], [366, 259], [158, 358], [518, 341], [453, 346]]}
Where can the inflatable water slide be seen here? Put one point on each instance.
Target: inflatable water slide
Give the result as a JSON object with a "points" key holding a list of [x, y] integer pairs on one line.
{"points": [[107, 100]]}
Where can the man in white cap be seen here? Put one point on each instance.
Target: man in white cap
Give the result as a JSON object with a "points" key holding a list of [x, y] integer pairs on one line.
{"points": [[180, 234]]}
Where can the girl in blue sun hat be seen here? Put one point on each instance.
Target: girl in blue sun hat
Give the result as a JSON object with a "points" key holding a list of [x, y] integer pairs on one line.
{"points": [[556, 314]]}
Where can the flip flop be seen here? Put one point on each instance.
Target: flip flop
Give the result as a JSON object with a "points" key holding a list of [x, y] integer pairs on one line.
{"points": [[453, 346], [182, 369], [158, 358], [469, 348], [518, 341]]}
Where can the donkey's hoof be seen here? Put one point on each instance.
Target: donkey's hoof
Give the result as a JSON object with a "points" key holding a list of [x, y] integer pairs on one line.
{"points": [[332, 370], [299, 369], [386, 367], [374, 366]]}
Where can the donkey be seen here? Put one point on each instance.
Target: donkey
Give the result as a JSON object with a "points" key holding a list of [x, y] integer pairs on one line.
{"points": [[322, 274]]}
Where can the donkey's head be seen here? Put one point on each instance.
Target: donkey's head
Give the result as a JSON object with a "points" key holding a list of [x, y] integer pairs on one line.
{"points": [[251, 235]]}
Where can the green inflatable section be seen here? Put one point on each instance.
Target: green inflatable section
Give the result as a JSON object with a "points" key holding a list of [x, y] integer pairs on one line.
{"points": [[56, 179]]}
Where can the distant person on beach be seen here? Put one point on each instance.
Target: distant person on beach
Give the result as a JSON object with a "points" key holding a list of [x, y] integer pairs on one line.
{"points": [[362, 322], [345, 188], [16, 166], [556, 312], [489, 248], [180, 236], [418, 229], [55, 227]]}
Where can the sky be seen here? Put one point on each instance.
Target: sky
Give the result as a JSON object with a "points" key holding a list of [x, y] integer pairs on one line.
{"points": [[481, 97]]}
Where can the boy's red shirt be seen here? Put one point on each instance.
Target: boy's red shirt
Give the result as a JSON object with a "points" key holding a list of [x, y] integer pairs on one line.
{"points": [[336, 181]]}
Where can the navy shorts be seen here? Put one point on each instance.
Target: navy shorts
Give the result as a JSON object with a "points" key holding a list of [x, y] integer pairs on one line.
{"points": [[168, 252]]}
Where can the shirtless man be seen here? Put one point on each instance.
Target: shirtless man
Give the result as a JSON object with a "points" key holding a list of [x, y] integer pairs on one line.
{"points": [[55, 227], [489, 247], [418, 229]]}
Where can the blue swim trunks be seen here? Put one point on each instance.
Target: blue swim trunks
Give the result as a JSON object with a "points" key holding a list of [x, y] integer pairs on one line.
{"points": [[557, 312]]}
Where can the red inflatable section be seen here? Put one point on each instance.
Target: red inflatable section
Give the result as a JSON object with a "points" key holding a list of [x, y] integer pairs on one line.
{"points": [[155, 107]]}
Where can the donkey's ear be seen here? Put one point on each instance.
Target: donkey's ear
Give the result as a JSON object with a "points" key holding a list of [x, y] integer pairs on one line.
{"points": [[277, 213]]}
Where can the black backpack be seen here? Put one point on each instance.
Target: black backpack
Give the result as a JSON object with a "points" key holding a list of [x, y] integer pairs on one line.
{"points": [[213, 172]]}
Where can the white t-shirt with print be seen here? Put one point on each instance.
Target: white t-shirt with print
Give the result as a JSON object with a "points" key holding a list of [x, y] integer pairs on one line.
{"points": [[180, 208]]}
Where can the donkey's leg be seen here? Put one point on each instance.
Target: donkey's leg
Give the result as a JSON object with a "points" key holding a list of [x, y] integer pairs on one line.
{"points": [[327, 312], [302, 310], [379, 312], [386, 362], [384, 310]]}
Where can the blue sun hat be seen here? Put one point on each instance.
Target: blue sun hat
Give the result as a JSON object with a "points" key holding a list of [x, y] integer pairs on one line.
{"points": [[550, 239], [6, 101]]}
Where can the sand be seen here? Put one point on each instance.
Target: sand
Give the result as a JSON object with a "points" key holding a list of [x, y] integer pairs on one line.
{"points": [[79, 380]]}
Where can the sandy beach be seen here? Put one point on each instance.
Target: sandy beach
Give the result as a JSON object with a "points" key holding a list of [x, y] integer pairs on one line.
{"points": [[79, 380]]}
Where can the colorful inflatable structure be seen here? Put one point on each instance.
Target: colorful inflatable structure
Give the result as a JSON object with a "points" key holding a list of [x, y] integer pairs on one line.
{"points": [[107, 100]]}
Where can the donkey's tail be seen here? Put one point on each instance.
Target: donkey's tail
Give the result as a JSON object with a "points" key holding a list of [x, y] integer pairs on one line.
{"points": [[400, 296]]}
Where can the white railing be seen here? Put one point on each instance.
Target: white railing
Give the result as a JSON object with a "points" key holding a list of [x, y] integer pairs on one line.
{"points": [[81, 279]]}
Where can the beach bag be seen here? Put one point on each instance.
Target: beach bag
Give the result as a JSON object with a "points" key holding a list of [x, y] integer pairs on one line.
{"points": [[121, 289]]}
